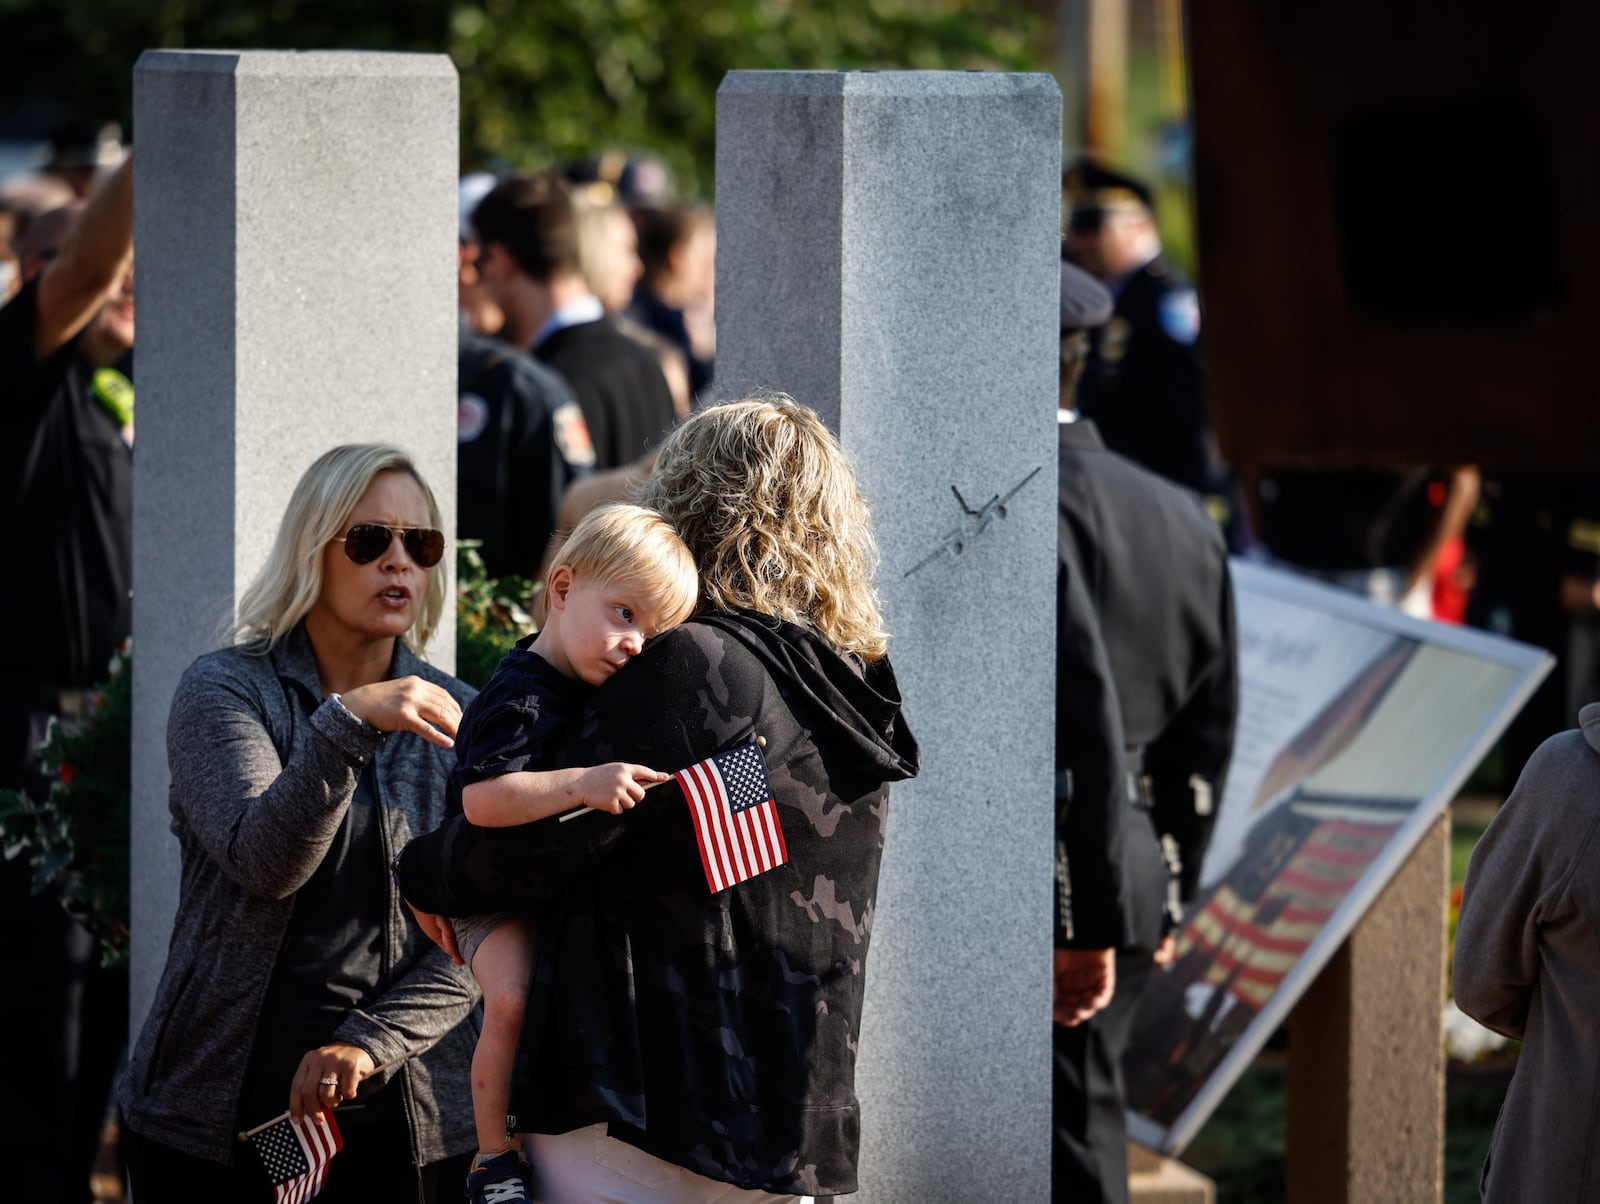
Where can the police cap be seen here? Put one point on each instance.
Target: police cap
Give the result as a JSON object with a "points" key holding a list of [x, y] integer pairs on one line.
{"points": [[1085, 303], [1090, 191]]}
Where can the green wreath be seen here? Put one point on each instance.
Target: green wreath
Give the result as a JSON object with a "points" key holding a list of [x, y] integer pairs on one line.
{"points": [[78, 836]]}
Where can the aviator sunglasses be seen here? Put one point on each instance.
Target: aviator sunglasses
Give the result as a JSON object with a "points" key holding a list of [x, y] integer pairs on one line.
{"points": [[365, 542]]}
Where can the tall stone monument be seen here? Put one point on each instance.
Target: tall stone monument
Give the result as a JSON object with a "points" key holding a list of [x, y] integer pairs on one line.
{"points": [[295, 218], [888, 253]]}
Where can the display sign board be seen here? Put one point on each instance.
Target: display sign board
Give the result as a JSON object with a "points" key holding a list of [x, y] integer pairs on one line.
{"points": [[1357, 725]]}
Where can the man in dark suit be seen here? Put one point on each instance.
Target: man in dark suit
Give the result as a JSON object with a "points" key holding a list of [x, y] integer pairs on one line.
{"points": [[1147, 692], [529, 265]]}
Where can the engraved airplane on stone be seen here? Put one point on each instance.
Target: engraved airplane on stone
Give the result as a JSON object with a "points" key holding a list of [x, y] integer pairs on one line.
{"points": [[972, 524]]}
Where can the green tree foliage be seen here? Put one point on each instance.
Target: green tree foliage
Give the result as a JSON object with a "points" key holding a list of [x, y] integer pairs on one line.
{"points": [[644, 74], [541, 82], [492, 613]]}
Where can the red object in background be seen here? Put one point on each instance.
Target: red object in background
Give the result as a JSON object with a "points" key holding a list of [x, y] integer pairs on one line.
{"points": [[1451, 582]]}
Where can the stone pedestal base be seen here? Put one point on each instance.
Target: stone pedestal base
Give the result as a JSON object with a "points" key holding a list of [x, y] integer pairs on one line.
{"points": [[1366, 1049], [1153, 1179]]}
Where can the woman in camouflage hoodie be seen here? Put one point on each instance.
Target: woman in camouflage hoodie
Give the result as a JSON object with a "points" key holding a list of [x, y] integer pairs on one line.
{"points": [[683, 1035]]}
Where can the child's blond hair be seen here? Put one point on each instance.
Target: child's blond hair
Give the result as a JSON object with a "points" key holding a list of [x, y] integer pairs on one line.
{"points": [[628, 545]]}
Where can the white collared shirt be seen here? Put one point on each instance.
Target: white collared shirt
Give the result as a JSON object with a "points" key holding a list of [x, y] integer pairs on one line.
{"points": [[575, 313]]}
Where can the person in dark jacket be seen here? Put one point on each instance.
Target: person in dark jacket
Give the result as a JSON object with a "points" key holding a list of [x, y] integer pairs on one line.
{"points": [[66, 460], [678, 251], [699, 1038], [1147, 694], [302, 757], [520, 442]]}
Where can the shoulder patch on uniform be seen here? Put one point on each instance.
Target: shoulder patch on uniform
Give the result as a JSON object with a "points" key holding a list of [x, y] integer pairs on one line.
{"points": [[1180, 314], [472, 415], [572, 435]]}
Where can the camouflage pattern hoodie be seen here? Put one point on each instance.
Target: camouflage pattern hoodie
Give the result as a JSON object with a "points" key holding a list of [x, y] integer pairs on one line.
{"points": [[716, 1031]]}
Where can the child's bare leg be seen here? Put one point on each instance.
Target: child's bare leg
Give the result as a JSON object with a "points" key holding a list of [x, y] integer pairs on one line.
{"points": [[501, 965]]}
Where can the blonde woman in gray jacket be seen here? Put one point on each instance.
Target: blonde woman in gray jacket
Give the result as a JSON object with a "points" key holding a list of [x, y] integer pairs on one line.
{"points": [[303, 757]]}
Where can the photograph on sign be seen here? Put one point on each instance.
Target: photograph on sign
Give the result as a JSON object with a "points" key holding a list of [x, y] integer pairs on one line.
{"points": [[1357, 725]]}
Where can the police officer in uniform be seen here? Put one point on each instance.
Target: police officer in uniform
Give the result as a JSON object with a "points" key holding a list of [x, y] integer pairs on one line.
{"points": [[1147, 693], [1142, 382], [520, 441]]}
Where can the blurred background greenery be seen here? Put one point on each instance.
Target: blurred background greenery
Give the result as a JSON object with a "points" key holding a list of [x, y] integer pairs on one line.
{"points": [[550, 82], [540, 83]]}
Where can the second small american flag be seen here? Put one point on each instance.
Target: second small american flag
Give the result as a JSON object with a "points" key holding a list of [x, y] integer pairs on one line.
{"points": [[295, 1154], [735, 819]]}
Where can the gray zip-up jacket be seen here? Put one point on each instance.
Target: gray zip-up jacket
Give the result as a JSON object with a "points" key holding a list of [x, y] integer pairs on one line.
{"points": [[262, 772]]}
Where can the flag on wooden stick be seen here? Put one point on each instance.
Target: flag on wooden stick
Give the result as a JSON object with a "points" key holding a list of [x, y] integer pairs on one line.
{"points": [[735, 819]]}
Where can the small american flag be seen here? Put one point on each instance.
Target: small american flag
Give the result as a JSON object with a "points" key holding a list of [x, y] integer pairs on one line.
{"points": [[296, 1155], [735, 819]]}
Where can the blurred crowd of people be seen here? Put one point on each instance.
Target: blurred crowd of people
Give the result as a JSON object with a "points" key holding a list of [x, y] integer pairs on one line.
{"points": [[587, 331]]}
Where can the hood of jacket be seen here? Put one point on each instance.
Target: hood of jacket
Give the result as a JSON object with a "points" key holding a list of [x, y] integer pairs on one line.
{"points": [[849, 703], [1589, 722]]}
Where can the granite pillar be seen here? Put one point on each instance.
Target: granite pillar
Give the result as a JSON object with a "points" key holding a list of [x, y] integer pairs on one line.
{"points": [[888, 251], [1366, 1049], [295, 218]]}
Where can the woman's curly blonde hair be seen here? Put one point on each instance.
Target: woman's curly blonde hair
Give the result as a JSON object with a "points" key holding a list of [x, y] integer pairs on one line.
{"points": [[763, 496]]}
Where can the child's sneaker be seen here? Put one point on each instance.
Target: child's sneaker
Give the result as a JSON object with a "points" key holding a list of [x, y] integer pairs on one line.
{"points": [[504, 1179]]}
